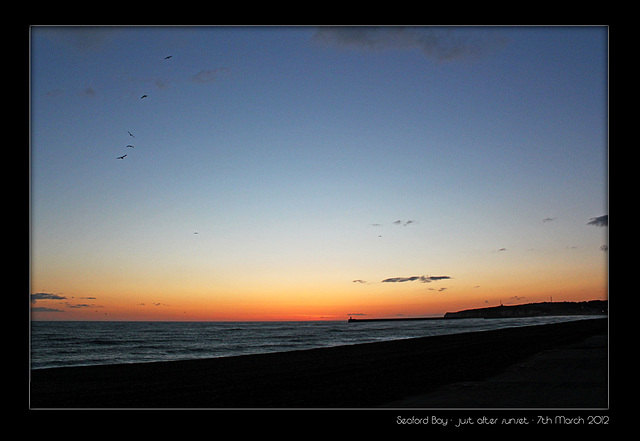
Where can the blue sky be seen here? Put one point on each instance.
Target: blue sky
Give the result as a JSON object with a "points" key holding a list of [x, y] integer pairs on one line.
{"points": [[292, 152]]}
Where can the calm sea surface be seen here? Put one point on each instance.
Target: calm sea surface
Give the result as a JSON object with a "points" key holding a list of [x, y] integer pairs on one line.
{"points": [[55, 344]]}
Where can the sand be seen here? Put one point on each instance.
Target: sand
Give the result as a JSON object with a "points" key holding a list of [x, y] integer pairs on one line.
{"points": [[571, 376], [354, 376]]}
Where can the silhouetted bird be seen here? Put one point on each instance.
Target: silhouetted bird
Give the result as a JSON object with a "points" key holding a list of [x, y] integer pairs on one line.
{"points": [[166, 58], [130, 146], [130, 134], [143, 96], [121, 157]]}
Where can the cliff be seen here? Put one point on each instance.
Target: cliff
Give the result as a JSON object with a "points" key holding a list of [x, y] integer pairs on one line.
{"points": [[592, 307]]}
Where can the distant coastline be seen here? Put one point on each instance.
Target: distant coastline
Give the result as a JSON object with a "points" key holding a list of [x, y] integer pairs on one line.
{"points": [[591, 307]]}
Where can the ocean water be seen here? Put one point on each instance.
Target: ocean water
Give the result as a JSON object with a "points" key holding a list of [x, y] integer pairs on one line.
{"points": [[56, 344]]}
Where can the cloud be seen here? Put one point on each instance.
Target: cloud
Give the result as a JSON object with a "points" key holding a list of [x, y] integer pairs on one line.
{"points": [[600, 221], [441, 44], [208, 75], [43, 309], [54, 93], [89, 92], [439, 277], [402, 279], [45, 296], [161, 84], [84, 39], [358, 313], [421, 279], [397, 222], [403, 223]]}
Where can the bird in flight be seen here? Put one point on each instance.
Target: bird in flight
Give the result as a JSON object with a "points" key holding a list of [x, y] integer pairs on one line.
{"points": [[195, 232], [166, 58], [130, 134], [121, 157], [143, 96], [130, 146]]}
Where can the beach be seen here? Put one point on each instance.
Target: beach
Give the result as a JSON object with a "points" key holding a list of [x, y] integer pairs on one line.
{"points": [[353, 376]]}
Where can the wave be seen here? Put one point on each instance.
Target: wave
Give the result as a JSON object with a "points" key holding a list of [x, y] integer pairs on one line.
{"points": [[67, 344]]}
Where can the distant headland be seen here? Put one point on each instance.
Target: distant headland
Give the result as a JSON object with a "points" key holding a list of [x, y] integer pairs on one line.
{"points": [[592, 307]]}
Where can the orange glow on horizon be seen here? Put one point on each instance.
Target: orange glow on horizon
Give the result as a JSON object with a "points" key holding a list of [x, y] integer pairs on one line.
{"points": [[372, 302], [267, 297]]}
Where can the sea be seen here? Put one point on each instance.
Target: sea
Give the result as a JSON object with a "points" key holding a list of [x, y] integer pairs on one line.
{"points": [[78, 343]]}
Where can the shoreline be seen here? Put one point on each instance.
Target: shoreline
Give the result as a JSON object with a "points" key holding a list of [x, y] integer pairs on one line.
{"points": [[351, 376]]}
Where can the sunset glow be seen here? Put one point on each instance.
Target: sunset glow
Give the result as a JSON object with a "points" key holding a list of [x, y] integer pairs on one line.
{"points": [[315, 173]]}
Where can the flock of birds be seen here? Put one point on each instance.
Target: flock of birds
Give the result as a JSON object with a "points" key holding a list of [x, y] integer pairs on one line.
{"points": [[131, 134]]}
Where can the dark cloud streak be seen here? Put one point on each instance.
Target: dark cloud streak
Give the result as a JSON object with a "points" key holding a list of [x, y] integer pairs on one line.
{"points": [[600, 221], [45, 296], [421, 279], [44, 309], [404, 223], [208, 75], [440, 44]]}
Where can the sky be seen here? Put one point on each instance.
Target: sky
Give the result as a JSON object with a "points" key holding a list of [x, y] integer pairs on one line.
{"points": [[315, 173]]}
